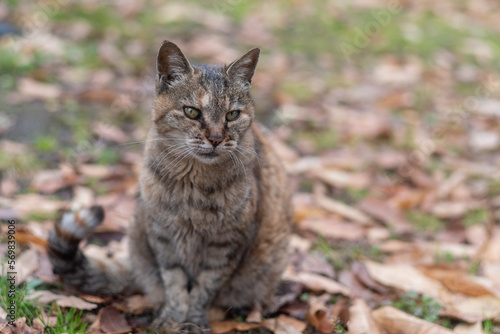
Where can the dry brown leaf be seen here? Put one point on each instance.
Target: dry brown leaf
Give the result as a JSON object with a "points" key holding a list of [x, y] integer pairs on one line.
{"points": [[221, 327], [342, 179], [334, 229], [299, 243], [470, 319], [298, 325], [396, 321], [361, 321], [138, 303], [455, 281], [491, 251], [49, 181], [361, 272], [26, 265], [38, 90], [386, 213], [319, 315], [3, 314], [255, 316], [83, 197], [29, 203], [110, 132], [344, 210], [112, 321], [47, 297], [406, 278], [19, 327], [281, 326], [476, 328], [486, 307], [26, 237], [315, 282]]}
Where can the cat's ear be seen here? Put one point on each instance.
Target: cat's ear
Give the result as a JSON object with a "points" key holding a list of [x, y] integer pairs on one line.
{"points": [[171, 64], [244, 68]]}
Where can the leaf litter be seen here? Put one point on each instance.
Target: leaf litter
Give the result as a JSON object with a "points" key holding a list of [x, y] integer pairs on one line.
{"points": [[394, 194]]}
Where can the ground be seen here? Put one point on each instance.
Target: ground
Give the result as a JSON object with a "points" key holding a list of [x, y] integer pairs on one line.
{"points": [[385, 113]]}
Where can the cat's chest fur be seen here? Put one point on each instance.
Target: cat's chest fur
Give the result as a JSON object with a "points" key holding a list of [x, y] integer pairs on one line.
{"points": [[201, 222]]}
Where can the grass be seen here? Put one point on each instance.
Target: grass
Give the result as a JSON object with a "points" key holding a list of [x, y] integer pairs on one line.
{"points": [[423, 222], [421, 306], [474, 217], [41, 216], [23, 306], [69, 321], [342, 254]]}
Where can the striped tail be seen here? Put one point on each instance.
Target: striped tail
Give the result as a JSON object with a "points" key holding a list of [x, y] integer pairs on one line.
{"points": [[86, 273]]}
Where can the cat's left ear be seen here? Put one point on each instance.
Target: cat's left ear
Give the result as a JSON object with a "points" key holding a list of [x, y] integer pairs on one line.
{"points": [[171, 63], [244, 68]]}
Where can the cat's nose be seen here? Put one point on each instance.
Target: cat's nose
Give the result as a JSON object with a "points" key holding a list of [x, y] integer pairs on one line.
{"points": [[215, 139]]}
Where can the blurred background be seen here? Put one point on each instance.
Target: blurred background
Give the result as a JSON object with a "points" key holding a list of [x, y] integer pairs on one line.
{"points": [[386, 113]]}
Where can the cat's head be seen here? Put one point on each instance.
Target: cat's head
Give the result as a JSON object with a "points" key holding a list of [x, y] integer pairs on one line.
{"points": [[205, 109]]}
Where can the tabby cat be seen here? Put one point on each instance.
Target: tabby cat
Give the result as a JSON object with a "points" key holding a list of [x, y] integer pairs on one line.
{"points": [[213, 217]]}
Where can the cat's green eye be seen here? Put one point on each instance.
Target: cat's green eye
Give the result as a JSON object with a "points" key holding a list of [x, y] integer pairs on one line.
{"points": [[232, 115], [191, 112]]}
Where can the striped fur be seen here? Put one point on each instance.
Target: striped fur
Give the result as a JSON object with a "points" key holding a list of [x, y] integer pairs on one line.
{"points": [[213, 217]]}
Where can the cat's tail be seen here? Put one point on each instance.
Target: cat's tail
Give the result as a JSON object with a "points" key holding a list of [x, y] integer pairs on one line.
{"points": [[86, 273]]}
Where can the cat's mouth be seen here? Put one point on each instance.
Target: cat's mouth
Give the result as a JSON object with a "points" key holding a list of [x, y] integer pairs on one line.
{"points": [[212, 154]]}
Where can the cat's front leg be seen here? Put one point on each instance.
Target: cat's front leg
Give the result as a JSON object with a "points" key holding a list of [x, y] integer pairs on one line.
{"points": [[174, 312], [222, 259]]}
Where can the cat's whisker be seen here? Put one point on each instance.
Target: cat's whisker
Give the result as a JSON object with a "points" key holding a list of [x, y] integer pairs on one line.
{"points": [[252, 152], [148, 140], [182, 155], [171, 148], [240, 163], [176, 149]]}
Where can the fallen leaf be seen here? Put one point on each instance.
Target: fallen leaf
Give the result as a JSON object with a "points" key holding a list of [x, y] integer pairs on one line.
{"points": [[255, 316], [19, 327], [486, 307], [344, 210], [314, 263], [221, 327], [476, 328], [455, 281], [110, 132], [396, 321], [386, 213], [29, 203], [361, 272], [112, 321], [342, 179], [3, 314], [299, 243], [361, 321], [315, 282], [49, 181], [38, 90], [280, 326], [331, 228], [47, 297], [138, 303], [319, 315], [407, 278], [26, 265]]}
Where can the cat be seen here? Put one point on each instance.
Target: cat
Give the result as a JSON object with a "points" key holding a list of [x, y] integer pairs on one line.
{"points": [[213, 216]]}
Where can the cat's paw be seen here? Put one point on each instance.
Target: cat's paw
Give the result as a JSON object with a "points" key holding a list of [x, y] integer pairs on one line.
{"points": [[198, 328], [78, 224], [167, 326]]}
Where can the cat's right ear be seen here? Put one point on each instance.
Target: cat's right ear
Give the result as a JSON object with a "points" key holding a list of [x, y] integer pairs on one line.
{"points": [[171, 64]]}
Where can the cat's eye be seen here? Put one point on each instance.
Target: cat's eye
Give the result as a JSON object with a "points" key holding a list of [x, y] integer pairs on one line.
{"points": [[232, 115], [191, 112]]}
